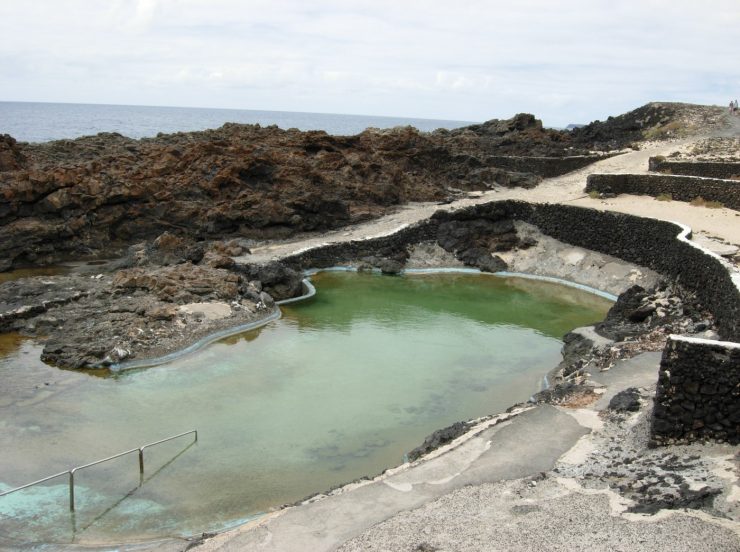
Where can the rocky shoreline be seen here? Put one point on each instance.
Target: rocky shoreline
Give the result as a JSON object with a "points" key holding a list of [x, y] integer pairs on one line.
{"points": [[194, 204], [161, 303], [167, 294], [94, 196]]}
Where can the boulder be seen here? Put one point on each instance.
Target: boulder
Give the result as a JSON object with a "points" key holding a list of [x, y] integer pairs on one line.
{"points": [[275, 278], [482, 258], [389, 266], [626, 401]]}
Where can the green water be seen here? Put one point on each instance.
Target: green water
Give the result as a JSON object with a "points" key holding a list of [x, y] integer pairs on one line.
{"points": [[341, 387]]}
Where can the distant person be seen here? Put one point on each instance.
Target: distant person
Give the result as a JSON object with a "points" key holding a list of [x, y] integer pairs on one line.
{"points": [[732, 107]]}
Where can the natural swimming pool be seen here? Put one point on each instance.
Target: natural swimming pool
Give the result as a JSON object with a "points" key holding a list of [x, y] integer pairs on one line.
{"points": [[341, 387]]}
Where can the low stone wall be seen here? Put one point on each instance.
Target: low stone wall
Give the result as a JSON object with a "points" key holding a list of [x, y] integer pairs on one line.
{"points": [[681, 188], [385, 246], [698, 392], [659, 245], [708, 169], [547, 167]]}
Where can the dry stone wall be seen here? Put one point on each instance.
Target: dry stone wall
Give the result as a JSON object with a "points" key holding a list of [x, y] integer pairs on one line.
{"points": [[681, 188], [698, 392], [659, 245], [709, 169], [546, 167]]}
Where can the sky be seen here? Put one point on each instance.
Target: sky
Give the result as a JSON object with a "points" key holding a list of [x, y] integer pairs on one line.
{"points": [[566, 61]]}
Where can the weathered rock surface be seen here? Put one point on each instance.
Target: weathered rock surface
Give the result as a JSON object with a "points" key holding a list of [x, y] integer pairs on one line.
{"points": [[474, 240], [654, 479], [626, 401], [280, 281], [11, 158], [135, 313], [438, 439], [638, 311], [97, 195]]}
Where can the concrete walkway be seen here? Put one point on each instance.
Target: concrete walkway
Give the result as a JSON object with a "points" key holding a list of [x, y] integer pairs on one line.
{"points": [[527, 444]]}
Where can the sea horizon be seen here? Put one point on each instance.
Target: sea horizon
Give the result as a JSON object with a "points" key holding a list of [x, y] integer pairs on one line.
{"points": [[48, 121]]}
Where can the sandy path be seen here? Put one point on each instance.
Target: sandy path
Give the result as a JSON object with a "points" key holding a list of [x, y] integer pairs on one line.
{"points": [[722, 223]]}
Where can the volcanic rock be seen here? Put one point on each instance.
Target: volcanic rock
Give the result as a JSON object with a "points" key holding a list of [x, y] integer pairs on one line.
{"points": [[275, 278], [626, 401], [97, 195]]}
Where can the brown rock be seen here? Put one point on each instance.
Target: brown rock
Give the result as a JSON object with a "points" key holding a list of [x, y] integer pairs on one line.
{"points": [[162, 312], [169, 282], [241, 180]]}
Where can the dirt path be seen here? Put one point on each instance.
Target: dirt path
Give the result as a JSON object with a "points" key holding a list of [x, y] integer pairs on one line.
{"points": [[721, 223]]}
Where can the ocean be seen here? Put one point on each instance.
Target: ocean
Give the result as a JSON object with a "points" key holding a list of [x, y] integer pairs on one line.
{"points": [[41, 122]]}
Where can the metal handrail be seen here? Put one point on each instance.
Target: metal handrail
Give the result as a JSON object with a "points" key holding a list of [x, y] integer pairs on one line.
{"points": [[71, 472], [141, 449]]}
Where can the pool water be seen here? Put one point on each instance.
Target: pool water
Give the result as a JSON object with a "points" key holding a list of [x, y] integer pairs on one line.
{"points": [[342, 386]]}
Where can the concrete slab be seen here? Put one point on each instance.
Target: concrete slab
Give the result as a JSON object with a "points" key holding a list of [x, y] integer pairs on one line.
{"points": [[526, 445], [638, 371]]}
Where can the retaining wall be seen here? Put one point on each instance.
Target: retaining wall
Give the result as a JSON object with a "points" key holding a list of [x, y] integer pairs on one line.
{"points": [[547, 167], [698, 392], [659, 245], [386, 246], [681, 188], [709, 169]]}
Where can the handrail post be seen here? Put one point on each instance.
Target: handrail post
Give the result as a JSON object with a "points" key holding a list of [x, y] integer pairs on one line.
{"points": [[71, 473], [71, 490]]}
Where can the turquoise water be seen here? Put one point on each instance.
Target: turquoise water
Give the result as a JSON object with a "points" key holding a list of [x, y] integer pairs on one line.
{"points": [[40, 122], [341, 387]]}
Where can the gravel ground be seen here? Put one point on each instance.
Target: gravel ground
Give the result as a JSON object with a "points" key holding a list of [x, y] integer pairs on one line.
{"points": [[526, 515]]}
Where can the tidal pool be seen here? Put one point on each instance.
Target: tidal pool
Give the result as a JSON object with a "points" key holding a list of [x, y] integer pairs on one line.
{"points": [[341, 387]]}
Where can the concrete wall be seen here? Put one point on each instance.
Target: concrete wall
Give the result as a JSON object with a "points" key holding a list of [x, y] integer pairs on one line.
{"points": [[681, 188], [698, 392], [546, 167], [709, 169]]}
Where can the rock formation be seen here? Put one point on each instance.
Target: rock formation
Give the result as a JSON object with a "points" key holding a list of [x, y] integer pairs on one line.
{"points": [[97, 195]]}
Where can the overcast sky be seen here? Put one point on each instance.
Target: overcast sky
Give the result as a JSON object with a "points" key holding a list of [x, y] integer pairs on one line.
{"points": [[564, 60]]}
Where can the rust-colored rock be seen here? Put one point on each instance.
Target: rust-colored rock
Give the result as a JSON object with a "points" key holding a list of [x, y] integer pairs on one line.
{"points": [[99, 194], [181, 283]]}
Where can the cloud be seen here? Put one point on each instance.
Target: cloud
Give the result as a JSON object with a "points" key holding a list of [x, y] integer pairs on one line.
{"points": [[566, 61]]}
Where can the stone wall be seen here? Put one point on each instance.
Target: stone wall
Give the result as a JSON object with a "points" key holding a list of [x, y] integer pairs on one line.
{"points": [[709, 169], [547, 167], [681, 188], [390, 246], [659, 245], [698, 392]]}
